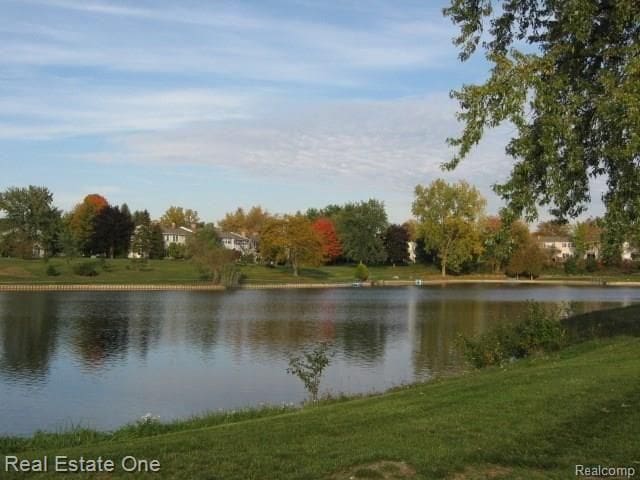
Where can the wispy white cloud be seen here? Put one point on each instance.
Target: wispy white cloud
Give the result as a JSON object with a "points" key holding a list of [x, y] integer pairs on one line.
{"points": [[33, 116], [389, 145]]}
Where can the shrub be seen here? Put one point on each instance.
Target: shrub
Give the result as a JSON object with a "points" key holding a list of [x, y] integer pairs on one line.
{"points": [[86, 269], [176, 251], [362, 272], [230, 275], [571, 266], [538, 329], [309, 366], [52, 271], [591, 265]]}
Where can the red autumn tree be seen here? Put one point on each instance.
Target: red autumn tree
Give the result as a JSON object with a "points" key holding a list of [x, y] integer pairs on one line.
{"points": [[331, 247], [98, 202]]}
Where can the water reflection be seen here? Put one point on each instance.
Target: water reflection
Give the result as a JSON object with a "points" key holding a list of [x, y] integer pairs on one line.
{"points": [[28, 332], [105, 358]]}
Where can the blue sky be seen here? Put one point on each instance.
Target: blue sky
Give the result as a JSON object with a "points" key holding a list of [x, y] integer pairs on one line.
{"points": [[213, 105]]}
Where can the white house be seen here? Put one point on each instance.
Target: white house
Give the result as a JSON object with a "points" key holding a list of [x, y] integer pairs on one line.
{"points": [[237, 242], [629, 252], [560, 247], [174, 234], [411, 248]]}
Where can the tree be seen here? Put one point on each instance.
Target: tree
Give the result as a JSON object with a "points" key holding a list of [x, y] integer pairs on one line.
{"points": [[396, 243], [565, 75], [81, 221], [331, 211], [331, 248], [360, 228], [30, 218], [141, 217], [156, 248], [553, 228], [501, 239], [214, 261], [179, 217], [585, 235], [112, 231], [527, 259], [449, 217], [249, 223], [141, 240], [291, 239]]}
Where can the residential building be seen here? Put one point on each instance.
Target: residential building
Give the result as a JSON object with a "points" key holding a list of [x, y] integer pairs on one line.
{"points": [[629, 252], [178, 235], [239, 243], [560, 248]]}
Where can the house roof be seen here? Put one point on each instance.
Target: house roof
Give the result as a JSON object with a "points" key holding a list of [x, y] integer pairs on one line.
{"points": [[553, 239], [232, 236], [177, 231]]}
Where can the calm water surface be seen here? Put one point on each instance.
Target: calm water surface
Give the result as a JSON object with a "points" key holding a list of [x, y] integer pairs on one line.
{"points": [[103, 359]]}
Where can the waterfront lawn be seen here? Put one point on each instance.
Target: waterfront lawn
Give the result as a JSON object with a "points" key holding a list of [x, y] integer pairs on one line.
{"points": [[116, 271], [533, 419], [125, 271]]}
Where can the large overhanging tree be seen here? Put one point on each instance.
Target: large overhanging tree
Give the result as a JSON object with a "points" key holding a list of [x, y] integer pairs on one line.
{"points": [[566, 74]]}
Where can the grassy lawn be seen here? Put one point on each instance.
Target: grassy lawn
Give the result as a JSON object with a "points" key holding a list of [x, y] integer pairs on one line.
{"points": [[532, 419], [125, 271]]}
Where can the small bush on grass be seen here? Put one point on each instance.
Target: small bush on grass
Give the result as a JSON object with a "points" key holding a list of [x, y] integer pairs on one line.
{"points": [[362, 272], [86, 269], [537, 330], [52, 271]]}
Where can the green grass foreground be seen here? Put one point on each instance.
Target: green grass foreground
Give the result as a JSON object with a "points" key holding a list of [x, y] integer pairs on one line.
{"points": [[532, 419], [124, 271]]}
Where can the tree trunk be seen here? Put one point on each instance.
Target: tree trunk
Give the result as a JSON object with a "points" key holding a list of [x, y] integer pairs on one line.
{"points": [[443, 267], [295, 269]]}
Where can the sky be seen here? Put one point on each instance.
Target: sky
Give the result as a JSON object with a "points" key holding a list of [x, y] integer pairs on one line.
{"points": [[213, 105]]}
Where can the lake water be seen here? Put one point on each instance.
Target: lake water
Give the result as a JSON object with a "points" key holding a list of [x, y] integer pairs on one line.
{"points": [[103, 359]]}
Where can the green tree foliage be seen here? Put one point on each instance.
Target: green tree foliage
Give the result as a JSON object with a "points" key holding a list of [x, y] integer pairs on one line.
{"points": [[500, 240], [68, 244], [396, 244], [565, 75], [309, 367], [112, 231], [179, 217], [141, 217], [586, 236], [362, 272], [30, 219], [177, 251], [449, 218], [156, 247], [214, 261], [527, 259], [361, 227], [291, 239], [330, 211], [141, 240]]}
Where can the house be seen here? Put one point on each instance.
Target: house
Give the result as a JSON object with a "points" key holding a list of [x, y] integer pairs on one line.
{"points": [[411, 248], [178, 235], [560, 247], [239, 243], [629, 252]]}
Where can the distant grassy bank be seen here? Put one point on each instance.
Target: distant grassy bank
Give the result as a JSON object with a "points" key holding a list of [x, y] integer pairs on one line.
{"points": [[533, 419], [123, 271]]}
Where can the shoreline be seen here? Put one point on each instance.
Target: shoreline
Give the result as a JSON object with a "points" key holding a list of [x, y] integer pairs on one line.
{"points": [[107, 287]]}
